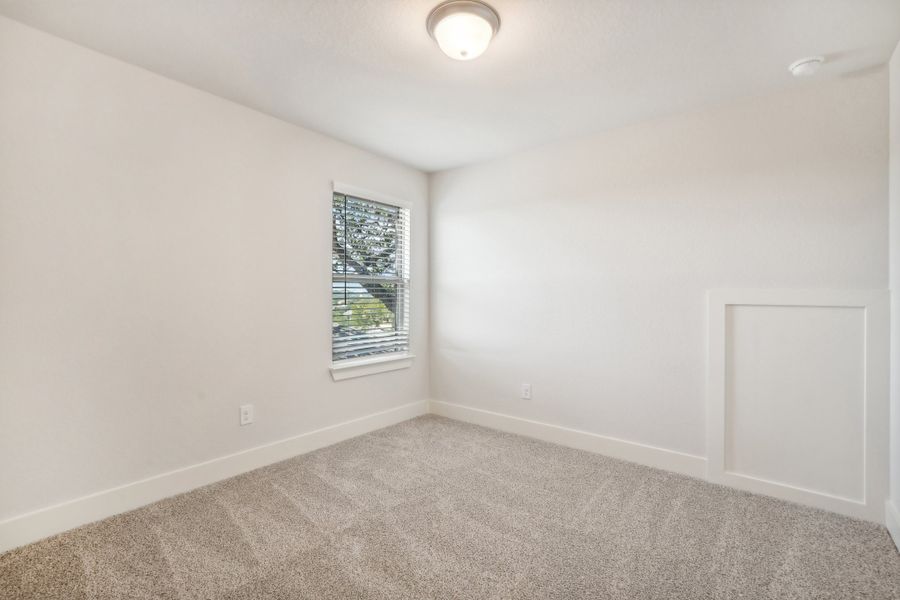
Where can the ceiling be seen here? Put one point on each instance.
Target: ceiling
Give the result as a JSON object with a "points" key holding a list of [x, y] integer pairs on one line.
{"points": [[365, 71]]}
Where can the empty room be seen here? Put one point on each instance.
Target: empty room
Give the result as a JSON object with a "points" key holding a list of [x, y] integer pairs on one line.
{"points": [[424, 299]]}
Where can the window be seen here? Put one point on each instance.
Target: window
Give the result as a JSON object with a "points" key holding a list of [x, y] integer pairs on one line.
{"points": [[369, 279]]}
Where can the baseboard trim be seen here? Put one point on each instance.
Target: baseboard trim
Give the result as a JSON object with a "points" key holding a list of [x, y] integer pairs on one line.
{"points": [[892, 521], [39, 524], [670, 460]]}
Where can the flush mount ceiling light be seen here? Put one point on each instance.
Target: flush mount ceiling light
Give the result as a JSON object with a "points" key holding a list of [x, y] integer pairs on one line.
{"points": [[806, 66], [463, 28]]}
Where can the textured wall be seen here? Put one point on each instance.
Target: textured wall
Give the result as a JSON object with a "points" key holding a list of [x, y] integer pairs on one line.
{"points": [[582, 266], [895, 280], [164, 258]]}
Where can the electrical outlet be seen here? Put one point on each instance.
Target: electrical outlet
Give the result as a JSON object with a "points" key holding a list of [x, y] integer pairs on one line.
{"points": [[246, 414], [526, 391]]}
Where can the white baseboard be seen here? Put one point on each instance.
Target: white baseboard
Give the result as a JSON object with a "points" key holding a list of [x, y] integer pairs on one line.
{"points": [[39, 524], [36, 525], [892, 521], [670, 460]]}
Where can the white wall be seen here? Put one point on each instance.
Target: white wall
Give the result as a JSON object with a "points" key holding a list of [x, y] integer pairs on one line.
{"points": [[165, 257], [582, 267], [893, 507]]}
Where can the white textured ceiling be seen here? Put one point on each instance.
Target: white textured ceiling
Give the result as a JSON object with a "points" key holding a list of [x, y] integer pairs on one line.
{"points": [[365, 71]]}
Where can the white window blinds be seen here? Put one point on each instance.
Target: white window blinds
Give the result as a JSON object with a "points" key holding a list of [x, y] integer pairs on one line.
{"points": [[369, 278]]}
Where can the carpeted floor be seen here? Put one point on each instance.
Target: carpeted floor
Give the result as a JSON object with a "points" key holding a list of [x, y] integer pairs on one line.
{"points": [[434, 508]]}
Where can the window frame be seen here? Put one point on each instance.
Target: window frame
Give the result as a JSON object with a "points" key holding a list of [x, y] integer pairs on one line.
{"points": [[378, 363]]}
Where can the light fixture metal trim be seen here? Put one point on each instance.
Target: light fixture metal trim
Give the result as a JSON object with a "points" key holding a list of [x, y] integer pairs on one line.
{"points": [[806, 66], [450, 7]]}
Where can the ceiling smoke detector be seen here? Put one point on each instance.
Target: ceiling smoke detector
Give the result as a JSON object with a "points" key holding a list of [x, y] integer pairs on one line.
{"points": [[806, 66], [463, 29]]}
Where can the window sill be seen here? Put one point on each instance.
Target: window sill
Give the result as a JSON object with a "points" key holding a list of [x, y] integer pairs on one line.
{"points": [[347, 369]]}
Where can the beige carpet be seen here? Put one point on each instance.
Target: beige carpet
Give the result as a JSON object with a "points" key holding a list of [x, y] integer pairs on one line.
{"points": [[433, 508]]}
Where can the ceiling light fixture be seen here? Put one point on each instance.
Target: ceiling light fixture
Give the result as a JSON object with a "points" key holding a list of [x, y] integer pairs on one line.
{"points": [[806, 66], [463, 28]]}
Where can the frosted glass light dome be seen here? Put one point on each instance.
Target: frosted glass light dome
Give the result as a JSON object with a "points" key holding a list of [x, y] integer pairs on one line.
{"points": [[463, 29]]}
